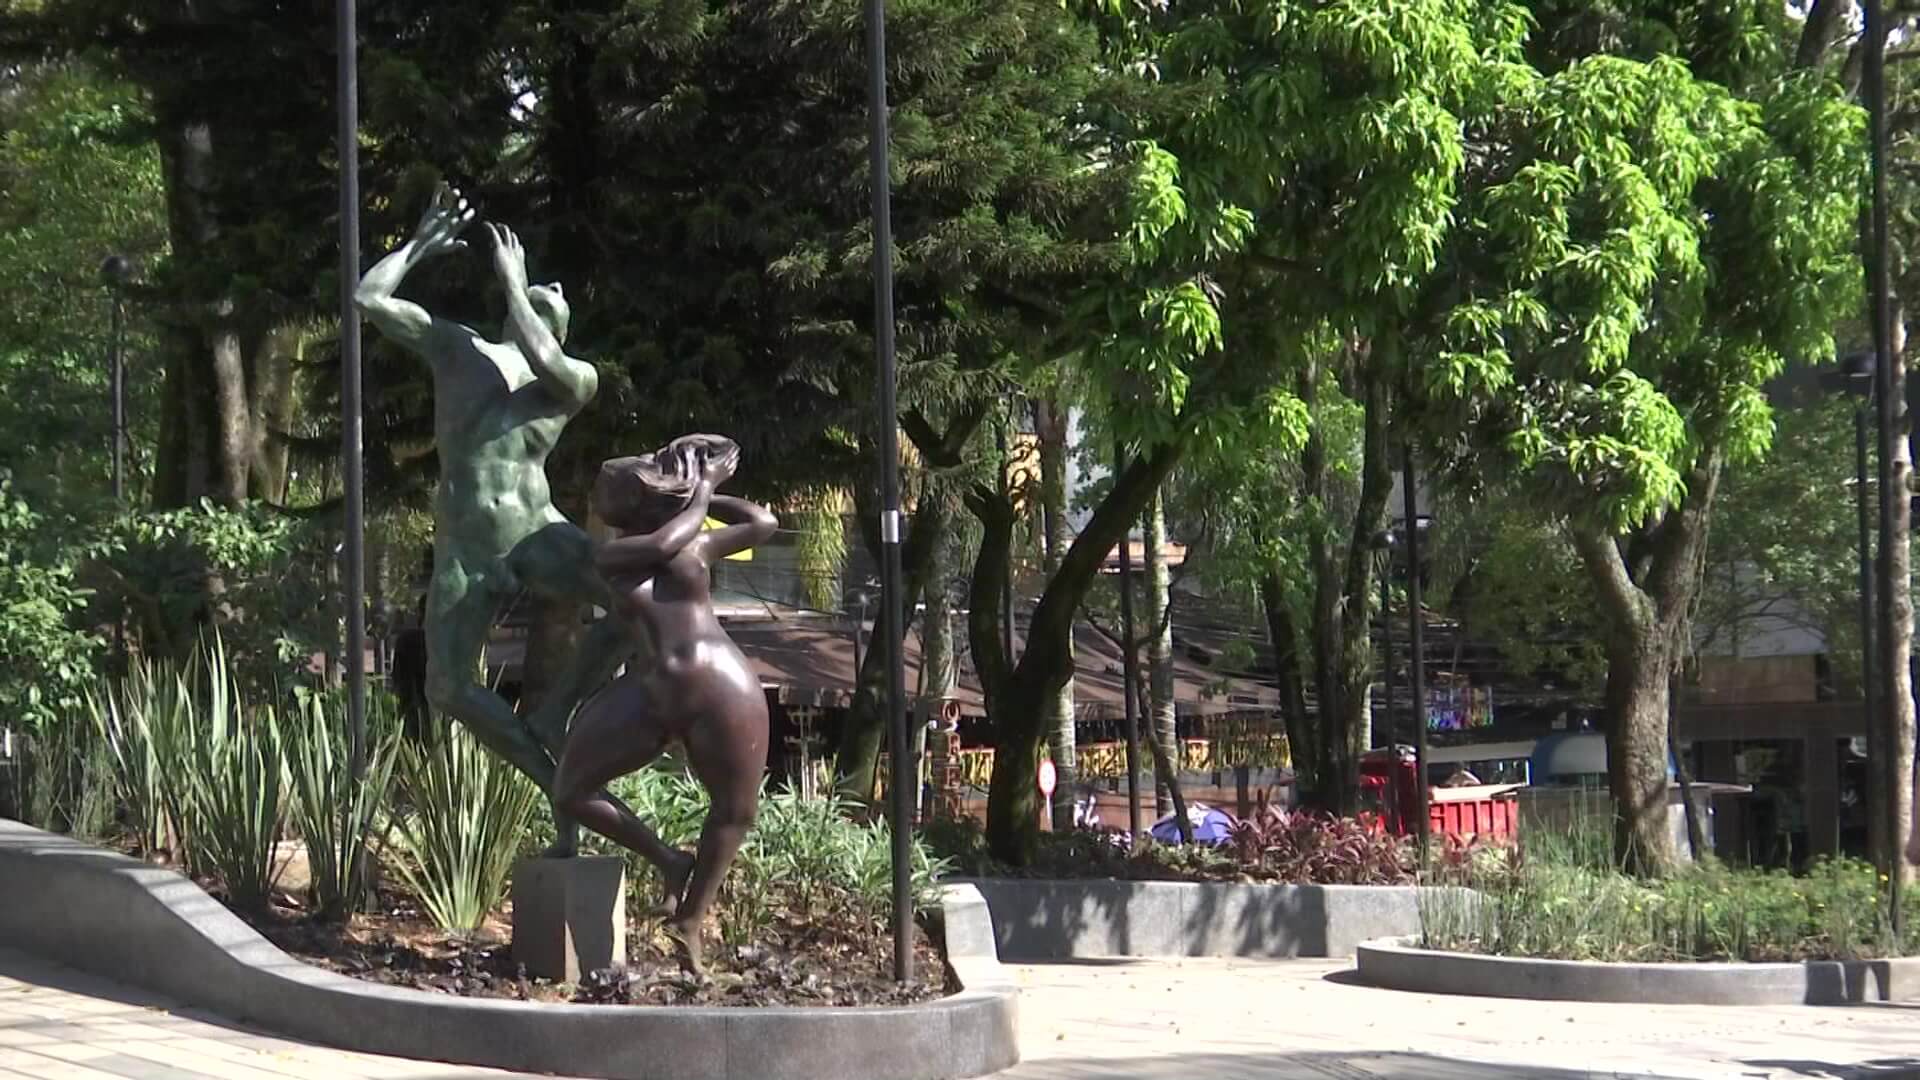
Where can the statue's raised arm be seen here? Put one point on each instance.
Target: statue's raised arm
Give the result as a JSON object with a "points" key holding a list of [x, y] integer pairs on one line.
{"points": [[438, 233], [496, 530], [572, 381]]}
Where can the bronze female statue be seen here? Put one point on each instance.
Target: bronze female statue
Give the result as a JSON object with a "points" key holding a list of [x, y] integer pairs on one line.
{"points": [[697, 687]]}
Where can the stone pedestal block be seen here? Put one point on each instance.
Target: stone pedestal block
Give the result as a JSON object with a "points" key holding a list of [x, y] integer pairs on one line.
{"points": [[569, 915]]}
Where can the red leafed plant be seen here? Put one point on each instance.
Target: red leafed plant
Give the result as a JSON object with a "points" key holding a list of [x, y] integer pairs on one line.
{"points": [[1318, 848]]}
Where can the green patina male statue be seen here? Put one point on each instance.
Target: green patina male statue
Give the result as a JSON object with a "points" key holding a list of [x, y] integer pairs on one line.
{"points": [[499, 407]]}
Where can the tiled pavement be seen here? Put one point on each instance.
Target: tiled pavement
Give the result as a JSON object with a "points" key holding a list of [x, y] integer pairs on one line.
{"points": [[1146, 1020], [1223, 1019]]}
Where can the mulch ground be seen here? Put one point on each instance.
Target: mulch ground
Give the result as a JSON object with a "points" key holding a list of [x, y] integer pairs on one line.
{"points": [[792, 963]]}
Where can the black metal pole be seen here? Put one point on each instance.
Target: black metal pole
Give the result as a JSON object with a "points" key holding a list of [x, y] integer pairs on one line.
{"points": [[353, 568], [1386, 650], [892, 603], [859, 642], [1006, 584], [1129, 671], [1888, 391], [1394, 810], [1417, 659], [115, 272], [117, 378], [1870, 689]]}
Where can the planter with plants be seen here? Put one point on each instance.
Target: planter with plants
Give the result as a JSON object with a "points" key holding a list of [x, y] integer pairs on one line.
{"points": [[401, 876], [1554, 919], [1281, 885], [245, 836]]}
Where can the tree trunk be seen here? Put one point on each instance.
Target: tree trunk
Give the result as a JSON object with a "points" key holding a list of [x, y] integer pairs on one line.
{"points": [[866, 724], [1821, 28], [1050, 424], [937, 666], [1013, 800], [865, 728], [1343, 569], [1167, 766], [1645, 606], [1896, 652], [272, 412], [207, 428], [1164, 727], [233, 419], [1283, 635], [1639, 665]]}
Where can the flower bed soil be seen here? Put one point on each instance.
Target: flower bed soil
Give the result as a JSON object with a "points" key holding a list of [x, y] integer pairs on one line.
{"points": [[791, 965], [817, 963]]}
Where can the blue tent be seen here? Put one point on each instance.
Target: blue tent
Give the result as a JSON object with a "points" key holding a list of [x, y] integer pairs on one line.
{"points": [[1210, 826]]}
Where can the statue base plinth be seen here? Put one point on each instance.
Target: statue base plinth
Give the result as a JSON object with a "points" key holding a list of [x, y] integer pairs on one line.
{"points": [[569, 915]]}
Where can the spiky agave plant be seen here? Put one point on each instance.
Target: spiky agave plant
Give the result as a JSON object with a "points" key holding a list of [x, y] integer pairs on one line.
{"points": [[334, 811], [467, 813], [216, 751]]}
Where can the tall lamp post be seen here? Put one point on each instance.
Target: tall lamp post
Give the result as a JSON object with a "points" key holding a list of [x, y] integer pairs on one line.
{"points": [[353, 561], [1129, 670], [116, 272], [1855, 378], [1416, 626], [1874, 82], [1383, 543], [891, 602]]}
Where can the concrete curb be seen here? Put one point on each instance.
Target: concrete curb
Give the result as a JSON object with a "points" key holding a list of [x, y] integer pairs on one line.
{"points": [[113, 916], [1396, 964], [1059, 919]]}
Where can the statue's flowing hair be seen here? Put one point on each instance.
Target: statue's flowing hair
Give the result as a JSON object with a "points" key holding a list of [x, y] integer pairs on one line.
{"points": [[637, 491]]}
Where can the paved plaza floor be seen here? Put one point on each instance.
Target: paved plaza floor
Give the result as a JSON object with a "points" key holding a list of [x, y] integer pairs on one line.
{"points": [[1138, 1020]]}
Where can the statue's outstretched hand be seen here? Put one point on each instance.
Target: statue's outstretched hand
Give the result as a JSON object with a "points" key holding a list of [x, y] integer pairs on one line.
{"points": [[719, 468], [440, 227], [509, 258]]}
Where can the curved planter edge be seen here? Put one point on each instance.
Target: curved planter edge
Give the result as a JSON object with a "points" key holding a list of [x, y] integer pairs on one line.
{"points": [[1397, 964], [104, 913], [1041, 919]]}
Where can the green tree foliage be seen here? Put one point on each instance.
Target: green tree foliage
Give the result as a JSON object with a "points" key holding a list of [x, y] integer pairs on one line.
{"points": [[47, 659], [72, 191], [1332, 141], [1785, 537], [1651, 251], [702, 171]]}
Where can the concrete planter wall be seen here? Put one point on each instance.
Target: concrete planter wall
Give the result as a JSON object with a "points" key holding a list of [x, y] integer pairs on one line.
{"points": [[111, 915], [1398, 965], [1052, 920]]}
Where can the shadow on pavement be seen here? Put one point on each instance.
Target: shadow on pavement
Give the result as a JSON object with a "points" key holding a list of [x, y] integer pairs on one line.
{"points": [[141, 1004], [1884, 1069], [1316, 1066], [1088, 961], [54, 976]]}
